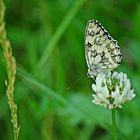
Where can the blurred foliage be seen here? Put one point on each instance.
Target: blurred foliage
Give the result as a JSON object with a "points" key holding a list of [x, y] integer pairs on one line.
{"points": [[54, 99]]}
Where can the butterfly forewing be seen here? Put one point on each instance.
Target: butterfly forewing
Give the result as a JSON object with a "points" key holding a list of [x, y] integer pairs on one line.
{"points": [[102, 52]]}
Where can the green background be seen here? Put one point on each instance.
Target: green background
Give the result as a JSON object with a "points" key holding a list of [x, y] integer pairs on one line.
{"points": [[52, 92]]}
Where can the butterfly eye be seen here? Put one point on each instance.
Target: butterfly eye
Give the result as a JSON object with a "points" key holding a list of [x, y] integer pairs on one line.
{"points": [[88, 74]]}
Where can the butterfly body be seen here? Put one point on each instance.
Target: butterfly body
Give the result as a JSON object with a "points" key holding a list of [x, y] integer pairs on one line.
{"points": [[101, 50]]}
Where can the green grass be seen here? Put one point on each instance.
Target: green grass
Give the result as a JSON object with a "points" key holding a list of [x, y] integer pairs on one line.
{"points": [[47, 38]]}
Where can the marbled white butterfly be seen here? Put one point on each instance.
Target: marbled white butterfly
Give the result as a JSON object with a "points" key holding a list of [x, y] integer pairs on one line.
{"points": [[101, 50]]}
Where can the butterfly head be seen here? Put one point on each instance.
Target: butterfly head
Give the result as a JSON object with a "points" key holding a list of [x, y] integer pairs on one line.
{"points": [[92, 73]]}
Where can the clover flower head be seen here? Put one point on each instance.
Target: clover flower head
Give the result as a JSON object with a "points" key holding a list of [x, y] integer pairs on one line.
{"points": [[112, 90]]}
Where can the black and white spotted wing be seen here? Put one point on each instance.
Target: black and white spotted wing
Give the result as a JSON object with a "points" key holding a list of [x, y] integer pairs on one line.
{"points": [[101, 50]]}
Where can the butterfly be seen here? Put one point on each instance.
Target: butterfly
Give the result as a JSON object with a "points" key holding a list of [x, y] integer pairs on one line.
{"points": [[101, 50]]}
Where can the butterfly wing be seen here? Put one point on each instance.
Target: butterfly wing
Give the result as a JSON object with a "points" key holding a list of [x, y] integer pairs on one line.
{"points": [[101, 50]]}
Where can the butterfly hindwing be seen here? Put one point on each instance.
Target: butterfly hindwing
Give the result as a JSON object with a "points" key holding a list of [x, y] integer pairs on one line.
{"points": [[102, 52]]}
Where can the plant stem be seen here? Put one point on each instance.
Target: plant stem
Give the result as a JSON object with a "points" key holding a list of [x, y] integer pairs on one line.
{"points": [[114, 125], [11, 70]]}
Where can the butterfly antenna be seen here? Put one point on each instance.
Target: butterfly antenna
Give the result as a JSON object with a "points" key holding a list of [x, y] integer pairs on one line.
{"points": [[75, 82]]}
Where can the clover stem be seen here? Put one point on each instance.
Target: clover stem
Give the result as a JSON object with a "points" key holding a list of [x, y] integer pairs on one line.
{"points": [[114, 125]]}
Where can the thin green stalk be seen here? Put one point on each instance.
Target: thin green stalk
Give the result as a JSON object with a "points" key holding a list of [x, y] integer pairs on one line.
{"points": [[59, 32], [11, 70], [114, 125]]}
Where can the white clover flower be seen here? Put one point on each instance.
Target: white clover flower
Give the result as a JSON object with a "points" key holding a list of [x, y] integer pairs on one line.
{"points": [[112, 90]]}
